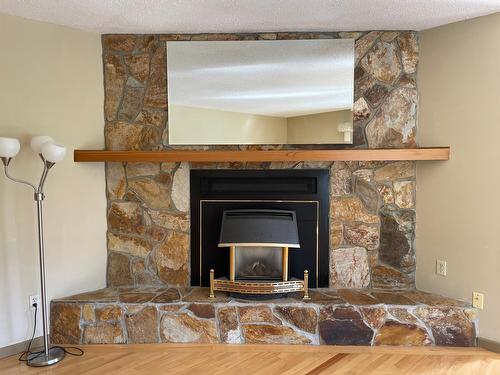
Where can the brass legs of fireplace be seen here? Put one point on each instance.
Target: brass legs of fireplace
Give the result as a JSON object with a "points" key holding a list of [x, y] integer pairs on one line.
{"points": [[231, 263], [284, 258], [212, 285], [306, 286]]}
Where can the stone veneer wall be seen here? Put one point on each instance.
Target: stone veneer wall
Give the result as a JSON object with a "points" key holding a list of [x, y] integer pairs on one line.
{"points": [[372, 214]]}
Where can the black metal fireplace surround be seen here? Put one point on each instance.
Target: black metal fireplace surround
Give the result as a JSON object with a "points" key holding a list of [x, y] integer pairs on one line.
{"points": [[305, 191]]}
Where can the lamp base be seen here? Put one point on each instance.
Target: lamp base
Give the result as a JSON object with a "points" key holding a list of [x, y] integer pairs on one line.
{"points": [[56, 354]]}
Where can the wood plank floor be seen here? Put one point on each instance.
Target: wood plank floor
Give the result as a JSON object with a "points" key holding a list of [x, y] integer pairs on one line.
{"points": [[266, 359]]}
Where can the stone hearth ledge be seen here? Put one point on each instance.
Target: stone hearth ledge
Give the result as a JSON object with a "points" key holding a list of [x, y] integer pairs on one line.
{"points": [[331, 317]]}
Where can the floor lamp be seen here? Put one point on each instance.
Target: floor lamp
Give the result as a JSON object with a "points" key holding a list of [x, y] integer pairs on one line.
{"points": [[50, 153]]}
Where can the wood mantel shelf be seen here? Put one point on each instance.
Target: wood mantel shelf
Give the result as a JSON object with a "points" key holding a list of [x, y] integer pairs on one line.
{"points": [[422, 153]]}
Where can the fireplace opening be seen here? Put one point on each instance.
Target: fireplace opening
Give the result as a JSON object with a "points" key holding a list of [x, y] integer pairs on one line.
{"points": [[258, 263]]}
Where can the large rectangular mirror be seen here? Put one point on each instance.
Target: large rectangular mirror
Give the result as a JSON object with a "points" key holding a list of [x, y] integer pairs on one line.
{"points": [[260, 92]]}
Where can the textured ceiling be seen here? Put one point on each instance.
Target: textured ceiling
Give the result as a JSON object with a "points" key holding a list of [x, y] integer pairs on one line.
{"points": [[192, 16]]}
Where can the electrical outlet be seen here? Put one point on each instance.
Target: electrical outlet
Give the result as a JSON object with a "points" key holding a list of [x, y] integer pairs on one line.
{"points": [[441, 267], [34, 299], [478, 300]]}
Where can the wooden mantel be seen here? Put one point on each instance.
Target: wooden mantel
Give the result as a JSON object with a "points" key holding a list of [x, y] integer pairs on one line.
{"points": [[422, 153]]}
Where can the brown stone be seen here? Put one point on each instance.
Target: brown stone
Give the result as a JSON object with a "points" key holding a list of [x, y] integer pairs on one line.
{"points": [[142, 169], [138, 66], [154, 194], [118, 270], [450, 326], [340, 179], [115, 180], [146, 43], [101, 295], [128, 244], [388, 278], [65, 323], [142, 327], [397, 232], [404, 194], [304, 318], [271, 334], [135, 297], [363, 84], [103, 333], [178, 222], [434, 299], [122, 136], [374, 316], [156, 233], [202, 310], [364, 44], [349, 268], [401, 334], [229, 328], [171, 259], [88, 314], [168, 296], [138, 265], [201, 295], [389, 36], [392, 298], [183, 328], [348, 209], [336, 236], [111, 312], [402, 315], [382, 62], [395, 170], [408, 80], [386, 193], [118, 42], [357, 297], [131, 103], [376, 94], [256, 314], [156, 92], [368, 194], [408, 44], [358, 234], [115, 77], [152, 117], [360, 110], [125, 217], [343, 326], [394, 124]]}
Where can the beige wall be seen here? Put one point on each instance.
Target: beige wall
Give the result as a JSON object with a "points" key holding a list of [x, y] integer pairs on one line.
{"points": [[51, 83], [317, 128], [458, 206], [192, 125]]}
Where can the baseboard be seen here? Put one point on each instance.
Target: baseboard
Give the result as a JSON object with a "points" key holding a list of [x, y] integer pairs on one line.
{"points": [[20, 347], [491, 345]]}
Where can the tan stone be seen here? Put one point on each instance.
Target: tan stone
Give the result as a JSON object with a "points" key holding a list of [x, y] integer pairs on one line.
{"points": [[152, 117], [175, 221], [386, 193], [108, 313], [340, 179], [142, 326], [363, 174], [131, 102], [336, 234], [118, 272], [348, 209], [180, 188], [404, 192], [171, 259], [364, 44], [382, 62], [168, 296], [138, 266], [270, 334], [118, 42], [374, 316], [395, 122], [395, 170], [122, 136], [156, 92], [183, 328], [65, 323], [402, 315], [349, 268], [115, 77], [408, 45], [128, 244], [115, 180], [361, 110], [304, 318], [125, 217], [137, 297], [142, 169], [103, 333], [395, 333], [88, 313], [229, 328], [257, 314], [357, 297], [358, 234], [389, 36], [154, 194], [138, 66]]}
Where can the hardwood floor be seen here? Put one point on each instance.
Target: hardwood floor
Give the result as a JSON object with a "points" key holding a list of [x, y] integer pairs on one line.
{"points": [[266, 359]]}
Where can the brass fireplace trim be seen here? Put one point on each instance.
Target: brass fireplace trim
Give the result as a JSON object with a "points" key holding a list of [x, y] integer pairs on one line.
{"points": [[261, 201]]}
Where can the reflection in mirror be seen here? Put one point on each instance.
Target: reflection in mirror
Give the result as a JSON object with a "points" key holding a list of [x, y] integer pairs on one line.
{"points": [[260, 92]]}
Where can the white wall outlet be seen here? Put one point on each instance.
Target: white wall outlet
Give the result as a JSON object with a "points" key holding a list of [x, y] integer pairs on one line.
{"points": [[441, 267], [478, 300], [35, 299]]}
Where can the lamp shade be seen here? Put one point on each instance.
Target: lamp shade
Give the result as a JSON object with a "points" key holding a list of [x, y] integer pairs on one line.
{"points": [[38, 141], [9, 147], [52, 152]]}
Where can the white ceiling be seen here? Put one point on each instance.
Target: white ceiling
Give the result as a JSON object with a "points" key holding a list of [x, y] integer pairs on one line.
{"points": [[283, 78], [193, 16]]}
